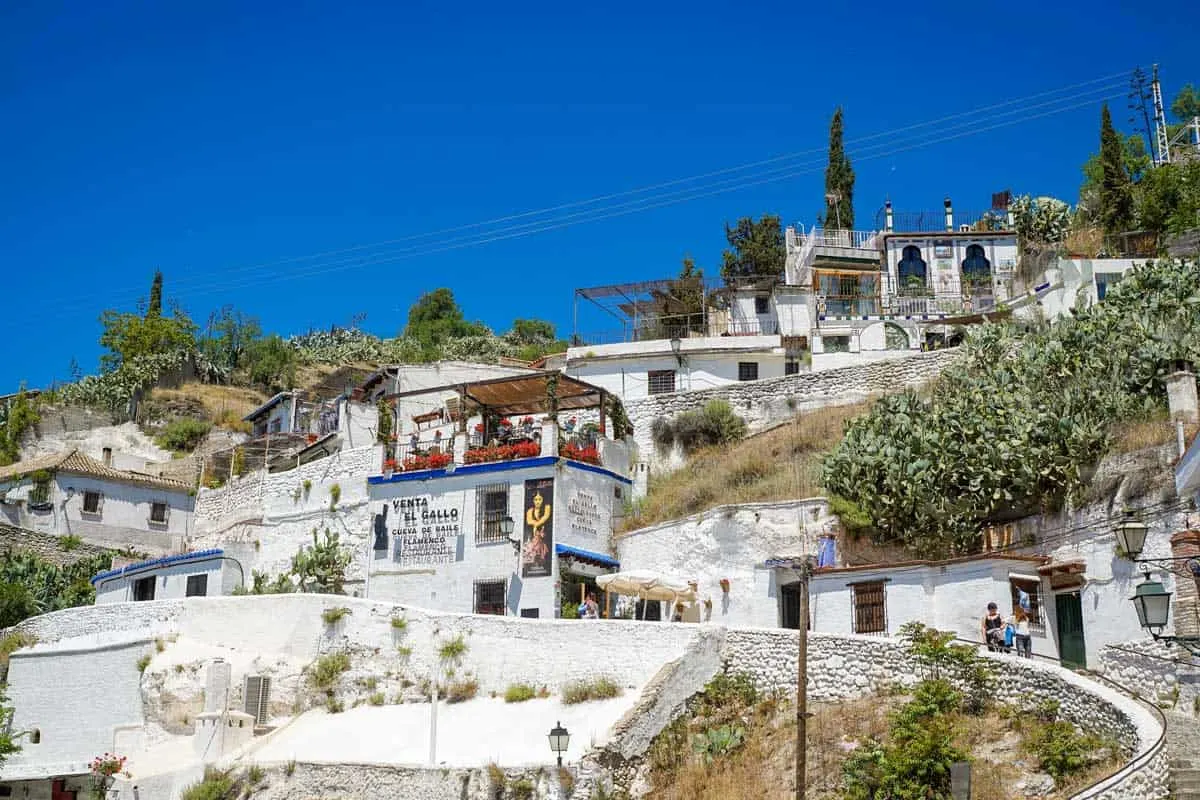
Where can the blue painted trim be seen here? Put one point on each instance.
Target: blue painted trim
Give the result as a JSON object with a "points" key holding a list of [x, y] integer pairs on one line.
{"points": [[587, 555], [467, 469], [598, 470], [157, 562]]}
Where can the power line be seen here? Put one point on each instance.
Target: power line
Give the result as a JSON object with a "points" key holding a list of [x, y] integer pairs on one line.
{"points": [[960, 130]]}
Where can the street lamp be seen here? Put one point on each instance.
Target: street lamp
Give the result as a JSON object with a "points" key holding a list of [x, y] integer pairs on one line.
{"points": [[1151, 600], [506, 528], [559, 738]]}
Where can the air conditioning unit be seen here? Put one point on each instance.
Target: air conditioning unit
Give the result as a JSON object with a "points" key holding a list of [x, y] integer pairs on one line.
{"points": [[258, 691]]}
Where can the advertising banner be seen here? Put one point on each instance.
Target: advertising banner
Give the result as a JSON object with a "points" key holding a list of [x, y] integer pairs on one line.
{"points": [[537, 543]]}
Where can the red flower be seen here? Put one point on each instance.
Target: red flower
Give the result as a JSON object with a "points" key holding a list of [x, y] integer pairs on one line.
{"points": [[505, 423], [479, 427]]}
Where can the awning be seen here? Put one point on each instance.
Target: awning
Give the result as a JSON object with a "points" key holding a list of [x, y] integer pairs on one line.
{"points": [[647, 585], [587, 556]]}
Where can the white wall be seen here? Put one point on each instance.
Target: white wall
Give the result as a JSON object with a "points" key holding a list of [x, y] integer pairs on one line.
{"points": [[171, 580], [445, 579], [731, 542], [1073, 280], [77, 695], [793, 310], [358, 424]]}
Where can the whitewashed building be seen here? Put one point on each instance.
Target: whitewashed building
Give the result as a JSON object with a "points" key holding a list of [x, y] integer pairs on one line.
{"points": [[512, 518], [73, 494], [205, 573]]}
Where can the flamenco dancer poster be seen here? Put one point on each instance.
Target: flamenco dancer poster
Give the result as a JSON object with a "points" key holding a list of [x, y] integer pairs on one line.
{"points": [[537, 543]]}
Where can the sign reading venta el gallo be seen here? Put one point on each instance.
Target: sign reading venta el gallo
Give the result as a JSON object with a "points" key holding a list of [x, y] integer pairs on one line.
{"points": [[426, 531]]}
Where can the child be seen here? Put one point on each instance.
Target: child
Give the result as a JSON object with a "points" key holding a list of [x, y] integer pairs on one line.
{"points": [[1021, 633]]}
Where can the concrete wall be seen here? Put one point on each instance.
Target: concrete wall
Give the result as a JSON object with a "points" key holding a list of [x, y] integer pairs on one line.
{"points": [[767, 401], [730, 542]]}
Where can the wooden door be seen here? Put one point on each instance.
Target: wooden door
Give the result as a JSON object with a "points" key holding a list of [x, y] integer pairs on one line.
{"points": [[1068, 609]]}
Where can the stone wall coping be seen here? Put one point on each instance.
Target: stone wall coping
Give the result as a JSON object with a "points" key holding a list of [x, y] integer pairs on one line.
{"points": [[699, 516]]}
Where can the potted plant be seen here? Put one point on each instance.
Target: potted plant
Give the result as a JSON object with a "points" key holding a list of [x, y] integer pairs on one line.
{"points": [[103, 768]]}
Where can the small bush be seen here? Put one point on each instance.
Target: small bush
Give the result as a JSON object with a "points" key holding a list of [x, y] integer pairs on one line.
{"points": [[143, 662], [522, 789], [566, 779], [584, 691], [452, 650], [376, 699], [255, 774], [215, 785], [289, 768], [714, 424], [1061, 750], [496, 778], [403, 652], [159, 645], [323, 673], [460, 691], [519, 693], [182, 435], [332, 616], [399, 624], [333, 705], [335, 494], [69, 542]]}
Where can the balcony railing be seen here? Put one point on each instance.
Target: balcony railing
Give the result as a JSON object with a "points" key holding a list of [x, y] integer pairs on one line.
{"points": [[684, 326], [834, 237]]}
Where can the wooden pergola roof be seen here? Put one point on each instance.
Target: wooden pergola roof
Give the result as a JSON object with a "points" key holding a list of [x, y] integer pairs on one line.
{"points": [[520, 394]]}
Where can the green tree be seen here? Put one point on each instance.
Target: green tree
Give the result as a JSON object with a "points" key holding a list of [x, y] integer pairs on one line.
{"points": [[756, 249], [839, 179], [1186, 105], [1169, 198], [17, 417], [435, 319], [129, 336], [16, 604], [154, 308], [1116, 197], [534, 338], [1134, 158], [229, 335], [272, 363]]}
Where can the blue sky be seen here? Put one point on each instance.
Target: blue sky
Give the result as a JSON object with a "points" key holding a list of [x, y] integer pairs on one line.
{"points": [[209, 138]]}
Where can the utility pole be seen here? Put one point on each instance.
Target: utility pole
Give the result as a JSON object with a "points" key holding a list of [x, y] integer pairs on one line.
{"points": [[802, 684], [1162, 146]]}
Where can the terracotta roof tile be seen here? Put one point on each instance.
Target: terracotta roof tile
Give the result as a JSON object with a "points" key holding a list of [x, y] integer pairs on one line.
{"points": [[77, 463]]}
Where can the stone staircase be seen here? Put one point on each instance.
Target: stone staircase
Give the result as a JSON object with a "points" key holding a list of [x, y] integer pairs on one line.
{"points": [[1182, 734]]}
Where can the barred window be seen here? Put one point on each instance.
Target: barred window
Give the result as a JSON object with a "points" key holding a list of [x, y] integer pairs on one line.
{"points": [[1033, 590], [491, 506], [747, 370], [762, 304], [197, 586], [660, 381], [489, 597], [158, 513], [91, 502], [870, 607]]}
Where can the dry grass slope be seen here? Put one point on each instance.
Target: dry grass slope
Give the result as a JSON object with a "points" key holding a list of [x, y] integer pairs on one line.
{"points": [[783, 463]]}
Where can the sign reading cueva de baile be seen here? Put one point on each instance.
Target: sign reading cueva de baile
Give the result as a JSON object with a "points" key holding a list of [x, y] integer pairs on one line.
{"points": [[424, 529], [583, 512]]}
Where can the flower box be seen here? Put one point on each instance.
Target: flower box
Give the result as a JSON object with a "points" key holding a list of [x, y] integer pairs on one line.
{"points": [[588, 454], [431, 461], [507, 452]]}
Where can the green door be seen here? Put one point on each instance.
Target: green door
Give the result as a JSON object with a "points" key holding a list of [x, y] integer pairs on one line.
{"points": [[1071, 648]]}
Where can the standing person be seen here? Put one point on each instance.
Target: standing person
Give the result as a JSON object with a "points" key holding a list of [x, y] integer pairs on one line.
{"points": [[591, 607], [1021, 633], [993, 629]]}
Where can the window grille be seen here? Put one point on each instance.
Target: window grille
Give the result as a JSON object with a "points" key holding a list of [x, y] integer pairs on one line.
{"points": [[489, 597], [791, 367], [1034, 590], [660, 381], [491, 506], [761, 304], [870, 607], [747, 370], [257, 695], [143, 589], [197, 586], [158, 513]]}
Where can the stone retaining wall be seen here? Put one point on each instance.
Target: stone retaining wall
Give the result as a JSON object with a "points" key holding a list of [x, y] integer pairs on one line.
{"points": [[764, 402], [46, 546]]}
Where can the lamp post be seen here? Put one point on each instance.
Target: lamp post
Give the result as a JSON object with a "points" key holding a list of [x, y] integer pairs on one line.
{"points": [[1151, 600], [559, 739], [506, 529]]}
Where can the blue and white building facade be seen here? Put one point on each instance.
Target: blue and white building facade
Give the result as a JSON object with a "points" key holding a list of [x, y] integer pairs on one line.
{"points": [[204, 573]]}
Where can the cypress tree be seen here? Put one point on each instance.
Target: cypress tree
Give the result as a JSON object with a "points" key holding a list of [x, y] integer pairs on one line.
{"points": [[1116, 192], [154, 309], [839, 179]]}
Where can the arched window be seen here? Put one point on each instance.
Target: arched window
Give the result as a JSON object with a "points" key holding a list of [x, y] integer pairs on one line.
{"points": [[912, 269], [975, 267]]}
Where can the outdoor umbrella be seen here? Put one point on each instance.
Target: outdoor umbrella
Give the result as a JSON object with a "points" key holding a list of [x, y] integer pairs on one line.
{"points": [[647, 585]]}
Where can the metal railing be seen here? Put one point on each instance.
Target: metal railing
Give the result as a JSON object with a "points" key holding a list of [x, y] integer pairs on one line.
{"points": [[935, 221], [836, 237], [684, 326]]}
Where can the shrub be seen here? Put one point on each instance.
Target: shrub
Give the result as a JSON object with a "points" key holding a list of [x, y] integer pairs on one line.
{"points": [[585, 691], [182, 435], [376, 699], [399, 624], [459, 691], [69, 542], [452, 650], [332, 616], [519, 693], [215, 785], [1061, 750], [323, 673], [143, 662], [714, 424], [717, 742]]}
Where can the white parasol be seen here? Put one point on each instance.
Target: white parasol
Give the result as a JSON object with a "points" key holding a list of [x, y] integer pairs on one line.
{"points": [[647, 585]]}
